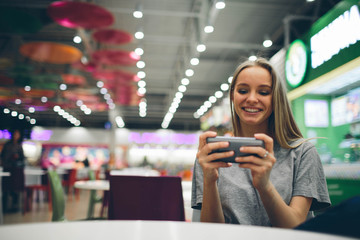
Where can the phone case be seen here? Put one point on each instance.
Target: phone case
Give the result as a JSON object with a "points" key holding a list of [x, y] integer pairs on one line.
{"points": [[235, 144]]}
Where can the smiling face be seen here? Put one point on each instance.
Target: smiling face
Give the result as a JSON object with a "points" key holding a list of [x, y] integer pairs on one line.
{"points": [[252, 99]]}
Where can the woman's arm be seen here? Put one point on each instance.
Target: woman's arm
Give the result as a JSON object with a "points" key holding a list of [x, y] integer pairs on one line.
{"points": [[281, 214], [211, 210]]}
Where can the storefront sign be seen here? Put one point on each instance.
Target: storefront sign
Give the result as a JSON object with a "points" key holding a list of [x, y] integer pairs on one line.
{"points": [[296, 63], [339, 34]]}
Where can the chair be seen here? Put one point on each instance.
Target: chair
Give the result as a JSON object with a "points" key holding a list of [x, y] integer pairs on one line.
{"points": [[342, 219], [31, 189], [69, 184], [146, 198], [94, 198], [57, 197]]}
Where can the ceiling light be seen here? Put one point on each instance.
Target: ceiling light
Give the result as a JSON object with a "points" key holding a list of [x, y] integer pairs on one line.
{"points": [[17, 101], [179, 95], [139, 51], [141, 74], [142, 91], [182, 88], [56, 108], [207, 104], [100, 84], [44, 99], [21, 116], [224, 87], [201, 48], [6, 111], [208, 29], [119, 122], [138, 11], [194, 61], [252, 58], [185, 81], [14, 113], [189, 72], [140, 64], [77, 39], [219, 94], [63, 87], [212, 99], [141, 83], [230, 79], [31, 109], [139, 35], [267, 42], [220, 4], [32, 121], [27, 88]]}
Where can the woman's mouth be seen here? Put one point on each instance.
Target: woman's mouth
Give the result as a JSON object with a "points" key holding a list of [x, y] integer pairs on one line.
{"points": [[251, 110]]}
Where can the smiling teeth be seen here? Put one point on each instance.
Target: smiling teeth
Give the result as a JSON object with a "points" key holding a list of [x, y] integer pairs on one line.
{"points": [[251, 110]]}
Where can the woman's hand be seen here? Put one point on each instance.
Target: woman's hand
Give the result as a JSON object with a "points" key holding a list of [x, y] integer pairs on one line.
{"points": [[260, 164], [210, 168]]}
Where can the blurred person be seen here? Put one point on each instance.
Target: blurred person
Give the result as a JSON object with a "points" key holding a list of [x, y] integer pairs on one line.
{"points": [[13, 161], [283, 183]]}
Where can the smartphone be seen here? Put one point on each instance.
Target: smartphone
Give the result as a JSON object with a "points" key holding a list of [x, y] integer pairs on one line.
{"points": [[234, 145]]}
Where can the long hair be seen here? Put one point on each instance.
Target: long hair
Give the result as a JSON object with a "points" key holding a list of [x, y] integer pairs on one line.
{"points": [[282, 125]]}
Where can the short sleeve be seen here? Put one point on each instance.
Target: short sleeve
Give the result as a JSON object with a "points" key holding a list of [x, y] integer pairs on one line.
{"points": [[197, 186], [309, 177]]}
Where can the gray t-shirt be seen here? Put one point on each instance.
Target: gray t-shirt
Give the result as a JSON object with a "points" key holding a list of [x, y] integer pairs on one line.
{"points": [[297, 172]]}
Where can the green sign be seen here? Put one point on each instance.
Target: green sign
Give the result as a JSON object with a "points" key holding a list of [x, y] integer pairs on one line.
{"points": [[296, 63]]}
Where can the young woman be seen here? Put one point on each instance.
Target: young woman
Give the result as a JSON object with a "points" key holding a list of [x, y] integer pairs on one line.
{"points": [[284, 183]]}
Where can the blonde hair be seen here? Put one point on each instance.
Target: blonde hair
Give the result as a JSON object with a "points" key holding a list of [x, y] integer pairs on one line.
{"points": [[282, 125]]}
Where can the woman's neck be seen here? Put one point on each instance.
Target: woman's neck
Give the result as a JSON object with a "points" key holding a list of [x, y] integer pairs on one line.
{"points": [[250, 130]]}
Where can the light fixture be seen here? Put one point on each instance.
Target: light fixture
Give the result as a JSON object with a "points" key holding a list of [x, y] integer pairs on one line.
{"points": [[267, 42], [138, 12], [220, 4], [252, 57], [139, 34], [208, 28], [141, 74], [119, 122], [189, 72], [139, 51], [201, 47], [140, 64], [77, 39], [194, 61], [185, 81]]}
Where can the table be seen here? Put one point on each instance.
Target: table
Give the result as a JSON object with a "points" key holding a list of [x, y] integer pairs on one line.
{"points": [[2, 174], [103, 185], [159, 230], [135, 171]]}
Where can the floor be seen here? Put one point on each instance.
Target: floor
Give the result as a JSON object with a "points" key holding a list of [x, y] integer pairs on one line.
{"points": [[74, 210]]}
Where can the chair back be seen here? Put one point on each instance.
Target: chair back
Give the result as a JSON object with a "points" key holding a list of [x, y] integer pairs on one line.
{"points": [[146, 198], [57, 197]]}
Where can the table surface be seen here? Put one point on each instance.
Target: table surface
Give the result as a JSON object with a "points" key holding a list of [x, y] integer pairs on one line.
{"points": [[4, 174], [93, 185], [159, 230]]}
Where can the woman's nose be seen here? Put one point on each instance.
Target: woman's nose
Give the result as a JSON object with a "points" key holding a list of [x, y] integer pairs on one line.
{"points": [[252, 97]]}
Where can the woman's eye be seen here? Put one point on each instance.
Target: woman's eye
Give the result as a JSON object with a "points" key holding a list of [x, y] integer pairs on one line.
{"points": [[264, 93], [242, 91]]}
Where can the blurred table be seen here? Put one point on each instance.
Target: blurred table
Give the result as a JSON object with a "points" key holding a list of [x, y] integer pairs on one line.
{"points": [[93, 185], [159, 230], [135, 172]]}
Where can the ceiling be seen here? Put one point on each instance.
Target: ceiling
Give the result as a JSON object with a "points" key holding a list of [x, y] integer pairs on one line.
{"points": [[172, 29]]}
